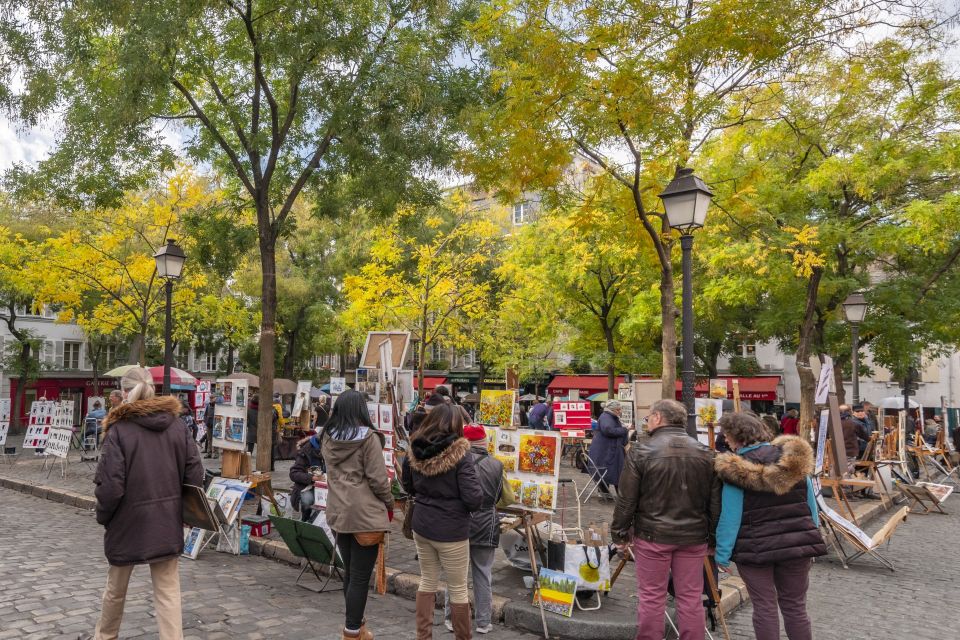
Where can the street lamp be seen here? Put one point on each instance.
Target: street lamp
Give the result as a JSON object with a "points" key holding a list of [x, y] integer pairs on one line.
{"points": [[685, 201], [170, 261], [855, 309]]}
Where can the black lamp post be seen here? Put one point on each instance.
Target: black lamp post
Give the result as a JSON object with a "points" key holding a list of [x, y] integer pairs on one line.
{"points": [[170, 259], [855, 309], [685, 201]]}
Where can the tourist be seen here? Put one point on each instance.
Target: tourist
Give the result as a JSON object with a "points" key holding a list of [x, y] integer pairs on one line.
{"points": [[359, 502], [484, 528], [669, 505], [308, 467], [538, 415], [931, 429], [93, 421], [440, 475], [116, 398], [870, 416], [790, 423], [853, 432], [253, 418], [146, 459], [607, 448], [769, 524], [186, 414]]}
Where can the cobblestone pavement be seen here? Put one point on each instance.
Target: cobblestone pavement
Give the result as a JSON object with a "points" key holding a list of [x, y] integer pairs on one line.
{"points": [[52, 572], [867, 601]]}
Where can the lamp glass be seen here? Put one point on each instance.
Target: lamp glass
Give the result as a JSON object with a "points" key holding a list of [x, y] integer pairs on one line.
{"points": [[170, 261], [855, 308]]}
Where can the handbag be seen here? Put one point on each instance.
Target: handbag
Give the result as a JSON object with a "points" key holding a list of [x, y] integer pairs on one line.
{"points": [[408, 519], [590, 564], [368, 538]]}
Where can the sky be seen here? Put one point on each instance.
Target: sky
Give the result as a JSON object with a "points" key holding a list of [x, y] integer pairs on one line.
{"points": [[19, 145]]}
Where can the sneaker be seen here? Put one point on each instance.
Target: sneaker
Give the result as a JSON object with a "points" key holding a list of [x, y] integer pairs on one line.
{"points": [[486, 629], [448, 625]]}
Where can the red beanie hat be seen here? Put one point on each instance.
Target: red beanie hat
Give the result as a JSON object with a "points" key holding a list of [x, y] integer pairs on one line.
{"points": [[474, 432]]}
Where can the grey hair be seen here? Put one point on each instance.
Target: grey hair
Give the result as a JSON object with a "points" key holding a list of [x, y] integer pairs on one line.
{"points": [[672, 412], [611, 405], [138, 383]]}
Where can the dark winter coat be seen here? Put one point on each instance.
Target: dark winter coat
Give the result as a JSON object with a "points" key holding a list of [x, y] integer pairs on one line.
{"points": [[484, 528], [308, 455], [146, 459], [853, 432], [607, 448], [538, 416], [777, 517], [443, 480], [253, 408]]}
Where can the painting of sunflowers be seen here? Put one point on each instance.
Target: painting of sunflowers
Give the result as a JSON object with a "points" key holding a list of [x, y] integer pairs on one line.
{"points": [[496, 407], [538, 454]]}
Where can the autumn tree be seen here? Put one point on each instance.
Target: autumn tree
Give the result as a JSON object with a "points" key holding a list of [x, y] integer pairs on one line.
{"points": [[638, 87], [281, 95], [426, 275]]}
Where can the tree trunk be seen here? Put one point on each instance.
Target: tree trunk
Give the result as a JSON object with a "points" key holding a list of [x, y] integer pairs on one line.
{"points": [[268, 337], [808, 383], [611, 358], [838, 383], [138, 349], [230, 357], [16, 409], [423, 352], [668, 346], [482, 375]]}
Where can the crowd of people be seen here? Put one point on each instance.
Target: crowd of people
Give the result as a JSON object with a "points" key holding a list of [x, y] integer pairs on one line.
{"points": [[678, 503]]}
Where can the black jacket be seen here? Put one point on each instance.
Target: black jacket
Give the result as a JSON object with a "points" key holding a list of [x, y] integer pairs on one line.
{"points": [[669, 492], [484, 528], [308, 455], [442, 478]]}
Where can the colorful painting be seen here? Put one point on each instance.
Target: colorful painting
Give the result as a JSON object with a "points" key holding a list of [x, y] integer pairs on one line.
{"points": [[235, 429], [509, 463], [227, 392], [496, 408], [718, 388], [546, 497], [515, 485], [218, 426], [529, 493], [241, 396], [556, 591], [538, 454], [708, 411], [491, 440]]}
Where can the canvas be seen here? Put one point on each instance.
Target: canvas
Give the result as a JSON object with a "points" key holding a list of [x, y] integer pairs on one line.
{"points": [[556, 591], [497, 408], [538, 454]]}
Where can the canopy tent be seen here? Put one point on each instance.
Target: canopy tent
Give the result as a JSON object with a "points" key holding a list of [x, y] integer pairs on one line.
{"points": [[322, 392], [120, 371]]}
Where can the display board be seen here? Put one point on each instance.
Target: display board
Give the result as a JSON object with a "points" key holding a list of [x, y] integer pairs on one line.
{"points": [[58, 442], [824, 381], [39, 424], [4, 429], [571, 415], [301, 400], [645, 393], [531, 460], [63, 415], [497, 408], [708, 411], [627, 418], [230, 415], [381, 415]]}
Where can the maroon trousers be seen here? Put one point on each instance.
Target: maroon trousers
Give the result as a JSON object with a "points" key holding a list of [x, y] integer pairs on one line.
{"points": [[784, 584]]}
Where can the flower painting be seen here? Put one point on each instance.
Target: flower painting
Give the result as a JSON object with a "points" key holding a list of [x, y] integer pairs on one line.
{"points": [[496, 407], [545, 499], [529, 493], [538, 454], [509, 463]]}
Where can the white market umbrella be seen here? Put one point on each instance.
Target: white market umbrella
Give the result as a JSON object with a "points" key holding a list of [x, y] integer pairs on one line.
{"points": [[896, 402]]}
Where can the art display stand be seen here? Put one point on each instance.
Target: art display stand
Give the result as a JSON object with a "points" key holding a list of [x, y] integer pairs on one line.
{"points": [[318, 551], [937, 456], [920, 494], [11, 457]]}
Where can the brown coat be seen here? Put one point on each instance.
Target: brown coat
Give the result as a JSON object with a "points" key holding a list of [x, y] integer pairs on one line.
{"points": [[148, 455], [359, 489]]}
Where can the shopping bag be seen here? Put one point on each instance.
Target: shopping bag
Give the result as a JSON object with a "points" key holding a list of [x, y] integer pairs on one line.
{"points": [[591, 565]]}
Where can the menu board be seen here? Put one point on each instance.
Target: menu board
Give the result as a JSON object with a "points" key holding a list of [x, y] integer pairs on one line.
{"points": [[531, 460], [230, 415]]}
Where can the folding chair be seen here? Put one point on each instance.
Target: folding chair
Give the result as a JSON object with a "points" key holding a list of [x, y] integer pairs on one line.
{"points": [[597, 478], [90, 444], [311, 543]]}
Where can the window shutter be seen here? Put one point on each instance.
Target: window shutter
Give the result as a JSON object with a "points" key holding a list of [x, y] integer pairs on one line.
{"points": [[58, 362], [48, 353], [86, 349]]}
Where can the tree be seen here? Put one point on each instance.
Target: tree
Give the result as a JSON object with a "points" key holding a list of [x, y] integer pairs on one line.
{"points": [[280, 95], [425, 275], [106, 274], [637, 87], [845, 176]]}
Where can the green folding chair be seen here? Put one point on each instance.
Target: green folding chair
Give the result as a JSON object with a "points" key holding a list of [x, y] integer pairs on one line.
{"points": [[313, 545]]}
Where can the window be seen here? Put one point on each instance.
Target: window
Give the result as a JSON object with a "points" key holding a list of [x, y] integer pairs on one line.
{"points": [[71, 355], [748, 349], [210, 362], [109, 355], [519, 213], [467, 359]]}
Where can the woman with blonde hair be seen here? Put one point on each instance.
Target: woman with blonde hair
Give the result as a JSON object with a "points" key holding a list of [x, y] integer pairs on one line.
{"points": [[147, 457]]}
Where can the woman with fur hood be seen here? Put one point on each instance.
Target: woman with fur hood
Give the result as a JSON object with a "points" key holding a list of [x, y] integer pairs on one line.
{"points": [[440, 474], [148, 455], [769, 523]]}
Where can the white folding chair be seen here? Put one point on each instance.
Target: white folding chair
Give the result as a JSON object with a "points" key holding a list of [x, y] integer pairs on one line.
{"points": [[597, 478]]}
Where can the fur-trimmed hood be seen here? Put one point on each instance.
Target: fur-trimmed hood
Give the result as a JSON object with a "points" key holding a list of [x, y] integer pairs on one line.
{"points": [[434, 458], [795, 464], [156, 413]]}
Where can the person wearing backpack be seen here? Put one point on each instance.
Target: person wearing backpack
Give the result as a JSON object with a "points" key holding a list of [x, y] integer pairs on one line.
{"points": [[484, 527], [359, 501]]}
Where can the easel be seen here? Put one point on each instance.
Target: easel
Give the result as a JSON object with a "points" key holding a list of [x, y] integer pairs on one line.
{"points": [[869, 464], [262, 486], [839, 534], [735, 383], [210, 517], [61, 462], [529, 521]]}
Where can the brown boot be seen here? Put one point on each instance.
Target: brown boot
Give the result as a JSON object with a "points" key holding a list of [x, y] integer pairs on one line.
{"points": [[460, 616], [362, 634], [426, 603]]}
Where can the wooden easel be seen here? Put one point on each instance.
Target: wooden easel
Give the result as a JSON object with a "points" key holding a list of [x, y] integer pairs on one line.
{"points": [[736, 394], [870, 465], [919, 496], [836, 482]]}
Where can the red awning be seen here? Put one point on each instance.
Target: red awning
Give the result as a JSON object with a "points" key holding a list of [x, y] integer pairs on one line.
{"points": [[432, 383], [756, 388], [560, 385]]}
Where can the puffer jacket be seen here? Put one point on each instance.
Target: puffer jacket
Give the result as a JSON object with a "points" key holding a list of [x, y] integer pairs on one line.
{"points": [[669, 492], [484, 528], [443, 480], [769, 510], [148, 455]]}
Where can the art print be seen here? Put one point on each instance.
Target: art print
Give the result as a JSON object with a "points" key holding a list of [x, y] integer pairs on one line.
{"points": [[497, 408], [509, 463], [374, 410], [235, 430], [538, 454], [515, 485], [193, 542], [547, 495], [241, 396], [556, 591], [227, 392], [4, 428], [529, 494], [491, 440], [219, 426], [386, 418]]}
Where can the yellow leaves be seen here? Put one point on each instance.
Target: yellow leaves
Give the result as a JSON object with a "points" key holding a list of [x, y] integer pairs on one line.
{"points": [[803, 250]]}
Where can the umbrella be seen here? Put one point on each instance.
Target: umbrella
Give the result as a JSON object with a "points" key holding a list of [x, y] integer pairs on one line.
{"points": [[284, 386], [120, 371], [251, 379], [896, 402], [319, 393], [598, 397], [473, 398], [530, 398], [177, 376]]}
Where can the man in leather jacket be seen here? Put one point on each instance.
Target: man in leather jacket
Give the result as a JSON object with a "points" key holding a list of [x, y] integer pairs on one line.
{"points": [[669, 505]]}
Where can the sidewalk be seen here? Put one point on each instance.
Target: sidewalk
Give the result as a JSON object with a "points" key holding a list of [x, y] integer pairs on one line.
{"points": [[512, 600]]}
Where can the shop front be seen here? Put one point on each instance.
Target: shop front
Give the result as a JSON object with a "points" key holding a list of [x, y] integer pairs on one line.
{"points": [[63, 387]]}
